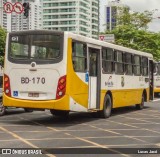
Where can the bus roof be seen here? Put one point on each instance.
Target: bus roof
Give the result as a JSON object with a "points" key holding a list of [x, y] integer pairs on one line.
{"points": [[87, 40], [107, 44]]}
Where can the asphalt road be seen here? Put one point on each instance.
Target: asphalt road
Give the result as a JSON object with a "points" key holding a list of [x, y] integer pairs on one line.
{"points": [[126, 128]]}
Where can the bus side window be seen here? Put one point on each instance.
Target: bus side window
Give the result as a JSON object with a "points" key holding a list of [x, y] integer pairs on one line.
{"points": [[128, 64], [107, 60], [79, 56], [144, 66], [119, 66], [137, 65]]}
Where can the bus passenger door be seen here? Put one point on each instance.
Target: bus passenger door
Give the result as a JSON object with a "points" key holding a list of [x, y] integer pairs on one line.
{"points": [[94, 78], [151, 80]]}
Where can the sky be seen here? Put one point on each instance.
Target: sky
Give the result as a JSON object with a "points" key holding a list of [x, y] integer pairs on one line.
{"points": [[139, 6]]}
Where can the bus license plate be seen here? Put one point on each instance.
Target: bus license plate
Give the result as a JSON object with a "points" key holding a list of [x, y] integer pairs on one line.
{"points": [[33, 95]]}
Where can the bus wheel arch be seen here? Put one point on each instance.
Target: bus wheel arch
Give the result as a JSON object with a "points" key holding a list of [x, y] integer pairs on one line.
{"points": [[141, 105], [107, 105], [145, 95]]}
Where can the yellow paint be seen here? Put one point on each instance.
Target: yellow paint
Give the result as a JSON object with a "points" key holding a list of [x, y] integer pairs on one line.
{"points": [[147, 90], [156, 90], [76, 88], [61, 104], [126, 97]]}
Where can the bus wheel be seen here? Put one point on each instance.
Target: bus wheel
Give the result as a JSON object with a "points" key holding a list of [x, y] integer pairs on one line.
{"points": [[107, 107], [59, 113], [2, 109], [28, 110], [141, 105]]}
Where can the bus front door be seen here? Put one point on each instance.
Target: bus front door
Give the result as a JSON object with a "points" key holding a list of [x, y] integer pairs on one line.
{"points": [[94, 78]]}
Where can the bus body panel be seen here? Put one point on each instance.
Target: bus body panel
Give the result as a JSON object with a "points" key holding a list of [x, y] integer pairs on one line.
{"points": [[157, 84], [77, 88], [61, 104], [42, 82], [125, 90], [156, 77]]}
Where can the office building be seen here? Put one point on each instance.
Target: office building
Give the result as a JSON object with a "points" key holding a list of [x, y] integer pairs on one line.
{"points": [[77, 16], [113, 9], [3, 15]]}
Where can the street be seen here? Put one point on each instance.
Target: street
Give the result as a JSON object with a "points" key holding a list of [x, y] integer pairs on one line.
{"points": [[126, 128]]}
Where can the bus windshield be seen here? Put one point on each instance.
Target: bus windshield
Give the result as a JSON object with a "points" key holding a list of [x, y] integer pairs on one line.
{"points": [[38, 47]]}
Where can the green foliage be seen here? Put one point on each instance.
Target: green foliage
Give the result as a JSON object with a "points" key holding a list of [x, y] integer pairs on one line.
{"points": [[132, 31], [2, 44]]}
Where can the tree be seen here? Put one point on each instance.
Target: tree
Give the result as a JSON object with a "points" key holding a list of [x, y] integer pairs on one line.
{"points": [[2, 44], [132, 31]]}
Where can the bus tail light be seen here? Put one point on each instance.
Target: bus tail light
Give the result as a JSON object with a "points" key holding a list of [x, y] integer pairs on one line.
{"points": [[7, 88], [61, 88]]}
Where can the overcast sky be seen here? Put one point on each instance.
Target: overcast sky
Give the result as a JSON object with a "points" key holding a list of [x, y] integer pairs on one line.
{"points": [[140, 6]]}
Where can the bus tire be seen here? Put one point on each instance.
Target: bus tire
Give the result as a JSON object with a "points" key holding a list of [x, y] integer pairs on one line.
{"points": [[59, 113], [141, 105], [107, 107], [2, 109], [28, 110]]}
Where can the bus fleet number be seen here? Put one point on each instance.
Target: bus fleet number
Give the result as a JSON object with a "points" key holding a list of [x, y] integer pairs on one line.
{"points": [[34, 80]]}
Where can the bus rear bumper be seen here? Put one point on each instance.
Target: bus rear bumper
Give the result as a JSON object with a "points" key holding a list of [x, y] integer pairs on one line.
{"points": [[60, 104]]}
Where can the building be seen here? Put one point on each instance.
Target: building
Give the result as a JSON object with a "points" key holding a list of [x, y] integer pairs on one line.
{"points": [[77, 16], [3, 15], [111, 11]]}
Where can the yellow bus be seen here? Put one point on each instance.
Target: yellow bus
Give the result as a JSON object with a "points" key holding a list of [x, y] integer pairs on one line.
{"points": [[156, 78], [64, 72]]}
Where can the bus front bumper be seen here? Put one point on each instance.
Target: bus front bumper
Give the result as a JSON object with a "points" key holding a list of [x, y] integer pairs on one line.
{"points": [[60, 104]]}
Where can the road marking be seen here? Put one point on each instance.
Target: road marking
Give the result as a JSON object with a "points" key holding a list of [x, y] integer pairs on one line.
{"points": [[155, 117], [120, 133], [150, 122], [8, 140], [23, 140], [154, 111], [39, 124], [156, 100], [98, 145], [79, 138], [94, 143], [144, 128]]}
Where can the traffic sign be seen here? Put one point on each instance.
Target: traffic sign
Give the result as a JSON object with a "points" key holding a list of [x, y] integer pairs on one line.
{"points": [[8, 7], [107, 38], [101, 37], [18, 7]]}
